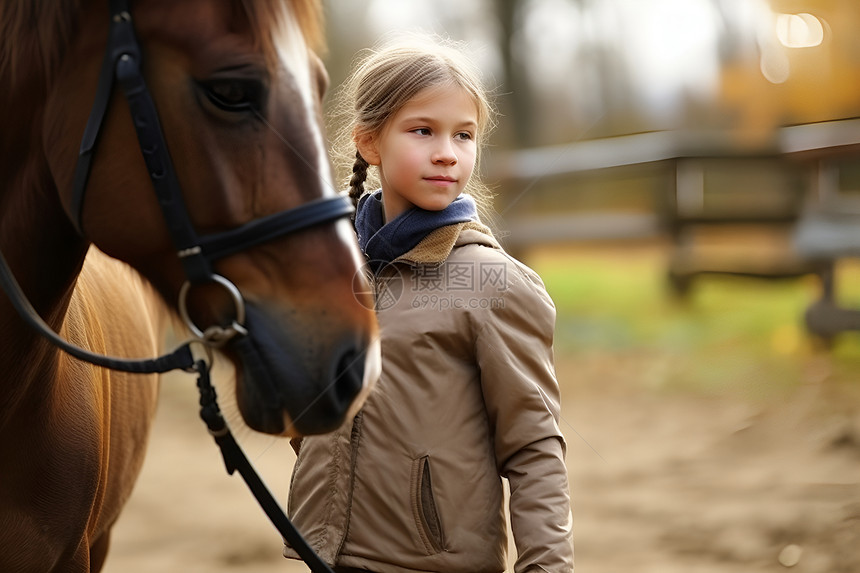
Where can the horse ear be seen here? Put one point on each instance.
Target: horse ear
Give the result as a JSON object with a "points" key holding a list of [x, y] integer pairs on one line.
{"points": [[366, 144], [323, 80]]}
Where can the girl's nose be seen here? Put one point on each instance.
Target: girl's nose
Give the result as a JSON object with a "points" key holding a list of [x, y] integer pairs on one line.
{"points": [[444, 154]]}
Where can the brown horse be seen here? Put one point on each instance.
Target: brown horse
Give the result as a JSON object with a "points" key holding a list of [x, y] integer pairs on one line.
{"points": [[237, 89]]}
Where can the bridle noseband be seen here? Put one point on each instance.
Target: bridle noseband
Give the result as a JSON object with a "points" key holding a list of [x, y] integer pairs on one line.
{"points": [[122, 64]]}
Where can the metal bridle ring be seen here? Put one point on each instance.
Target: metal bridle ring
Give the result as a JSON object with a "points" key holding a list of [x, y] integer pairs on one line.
{"points": [[238, 323]]}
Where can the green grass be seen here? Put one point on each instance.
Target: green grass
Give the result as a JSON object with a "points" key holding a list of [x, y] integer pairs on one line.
{"points": [[728, 334]]}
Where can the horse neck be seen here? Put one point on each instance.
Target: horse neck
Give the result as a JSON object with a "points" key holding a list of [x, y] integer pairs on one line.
{"points": [[35, 236], [38, 242]]}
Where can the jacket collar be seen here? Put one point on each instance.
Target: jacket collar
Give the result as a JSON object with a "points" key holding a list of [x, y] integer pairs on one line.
{"points": [[435, 248]]}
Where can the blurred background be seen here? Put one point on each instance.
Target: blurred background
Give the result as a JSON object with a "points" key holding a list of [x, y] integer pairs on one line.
{"points": [[727, 130], [685, 176]]}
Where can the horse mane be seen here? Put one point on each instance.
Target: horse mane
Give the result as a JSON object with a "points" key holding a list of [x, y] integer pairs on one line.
{"points": [[35, 33], [33, 36]]}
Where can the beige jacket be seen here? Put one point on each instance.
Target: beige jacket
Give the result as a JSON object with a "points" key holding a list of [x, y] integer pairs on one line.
{"points": [[468, 395]]}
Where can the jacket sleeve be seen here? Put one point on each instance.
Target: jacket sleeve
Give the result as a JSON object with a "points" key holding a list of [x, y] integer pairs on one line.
{"points": [[521, 393]]}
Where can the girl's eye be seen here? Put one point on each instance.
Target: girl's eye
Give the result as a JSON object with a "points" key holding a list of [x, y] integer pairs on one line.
{"points": [[234, 95], [464, 135], [421, 131]]}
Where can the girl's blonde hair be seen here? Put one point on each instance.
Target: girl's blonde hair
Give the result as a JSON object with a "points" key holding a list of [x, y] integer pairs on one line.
{"points": [[386, 78]]}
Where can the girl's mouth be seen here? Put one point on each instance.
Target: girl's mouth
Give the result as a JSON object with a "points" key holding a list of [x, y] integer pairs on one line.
{"points": [[440, 180]]}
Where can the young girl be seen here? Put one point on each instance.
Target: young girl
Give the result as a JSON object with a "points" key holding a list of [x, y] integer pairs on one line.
{"points": [[468, 393]]}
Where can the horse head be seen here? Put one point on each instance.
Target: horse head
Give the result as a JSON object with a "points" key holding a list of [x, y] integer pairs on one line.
{"points": [[237, 88]]}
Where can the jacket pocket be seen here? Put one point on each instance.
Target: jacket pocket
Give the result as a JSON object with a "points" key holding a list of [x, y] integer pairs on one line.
{"points": [[424, 507]]}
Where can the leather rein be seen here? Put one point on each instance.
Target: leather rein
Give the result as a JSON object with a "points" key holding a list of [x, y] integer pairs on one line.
{"points": [[122, 65]]}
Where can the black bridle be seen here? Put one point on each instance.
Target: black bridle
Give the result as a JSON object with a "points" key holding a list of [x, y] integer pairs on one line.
{"points": [[122, 65]]}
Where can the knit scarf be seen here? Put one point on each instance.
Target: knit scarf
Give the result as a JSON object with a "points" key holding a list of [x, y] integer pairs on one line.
{"points": [[383, 242]]}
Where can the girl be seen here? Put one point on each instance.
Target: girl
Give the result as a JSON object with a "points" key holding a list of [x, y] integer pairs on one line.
{"points": [[468, 393]]}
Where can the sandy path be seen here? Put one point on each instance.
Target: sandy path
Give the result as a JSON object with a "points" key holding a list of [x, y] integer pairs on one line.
{"points": [[662, 482]]}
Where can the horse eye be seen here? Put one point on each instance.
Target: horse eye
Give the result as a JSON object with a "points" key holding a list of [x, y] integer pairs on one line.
{"points": [[234, 95]]}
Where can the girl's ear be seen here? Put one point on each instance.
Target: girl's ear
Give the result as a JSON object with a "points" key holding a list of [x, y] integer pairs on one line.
{"points": [[366, 145]]}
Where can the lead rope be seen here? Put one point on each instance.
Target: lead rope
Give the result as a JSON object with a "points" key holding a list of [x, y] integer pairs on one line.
{"points": [[235, 459], [180, 359]]}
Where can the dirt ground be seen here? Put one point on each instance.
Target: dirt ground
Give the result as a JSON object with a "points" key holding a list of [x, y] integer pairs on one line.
{"points": [[661, 481]]}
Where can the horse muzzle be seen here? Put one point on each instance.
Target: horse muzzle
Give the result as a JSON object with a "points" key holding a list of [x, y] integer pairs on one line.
{"points": [[287, 386]]}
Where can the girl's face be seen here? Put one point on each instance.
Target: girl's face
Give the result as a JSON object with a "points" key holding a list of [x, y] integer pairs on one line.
{"points": [[427, 150]]}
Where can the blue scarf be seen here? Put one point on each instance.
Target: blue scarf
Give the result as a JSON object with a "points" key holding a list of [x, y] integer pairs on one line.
{"points": [[383, 242]]}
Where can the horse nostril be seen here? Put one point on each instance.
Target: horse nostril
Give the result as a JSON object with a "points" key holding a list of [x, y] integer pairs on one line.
{"points": [[327, 410], [348, 377]]}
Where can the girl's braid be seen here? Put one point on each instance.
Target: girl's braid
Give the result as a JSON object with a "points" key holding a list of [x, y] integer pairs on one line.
{"points": [[359, 175]]}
